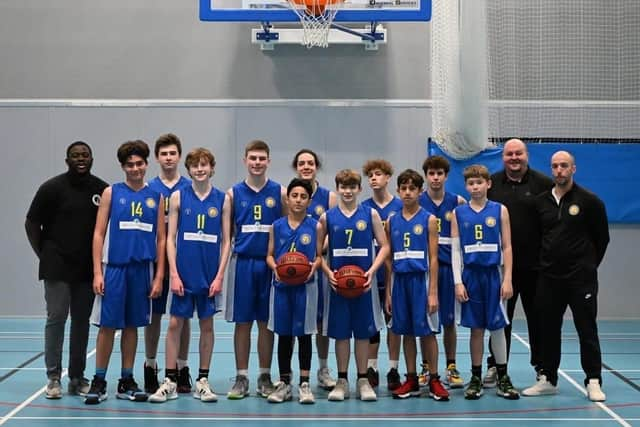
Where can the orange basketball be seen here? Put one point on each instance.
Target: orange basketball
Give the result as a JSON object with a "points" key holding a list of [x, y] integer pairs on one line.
{"points": [[351, 281], [316, 7], [293, 268]]}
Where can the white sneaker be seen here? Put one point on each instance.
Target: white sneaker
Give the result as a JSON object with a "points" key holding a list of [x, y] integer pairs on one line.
{"points": [[282, 393], [365, 391], [541, 388], [594, 391], [324, 379], [204, 391], [304, 393], [54, 389], [166, 391], [490, 379], [340, 391]]}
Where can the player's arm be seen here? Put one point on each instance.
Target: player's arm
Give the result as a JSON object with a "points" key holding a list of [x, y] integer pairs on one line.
{"points": [[34, 235], [33, 222], [506, 291], [225, 247], [271, 260], [432, 303], [317, 262], [97, 245], [389, 265], [175, 282], [231, 213], [322, 233], [383, 244], [161, 251], [333, 202], [456, 261]]}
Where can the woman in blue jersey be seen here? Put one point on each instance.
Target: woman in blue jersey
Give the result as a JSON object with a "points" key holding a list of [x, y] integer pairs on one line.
{"points": [[198, 248], [292, 309], [306, 164]]}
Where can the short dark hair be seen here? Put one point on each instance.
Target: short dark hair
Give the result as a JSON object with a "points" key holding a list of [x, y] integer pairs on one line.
{"points": [[133, 148], [410, 175], [294, 164], [75, 144], [297, 182], [166, 140], [436, 162], [257, 145]]}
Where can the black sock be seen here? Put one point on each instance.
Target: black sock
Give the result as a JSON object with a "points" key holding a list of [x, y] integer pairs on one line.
{"points": [[451, 361], [172, 374], [342, 375], [203, 373], [304, 379], [476, 370], [362, 375], [286, 378], [502, 370]]}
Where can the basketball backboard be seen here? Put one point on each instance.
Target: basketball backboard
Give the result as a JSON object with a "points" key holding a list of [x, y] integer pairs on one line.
{"points": [[350, 11]]}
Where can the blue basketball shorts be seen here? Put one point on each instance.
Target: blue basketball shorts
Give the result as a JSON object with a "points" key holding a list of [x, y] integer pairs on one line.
{"points": [[359, 317], [126, 302], [248, 290], [292, 309], [484, 309], [409, 306], [184, 306]]}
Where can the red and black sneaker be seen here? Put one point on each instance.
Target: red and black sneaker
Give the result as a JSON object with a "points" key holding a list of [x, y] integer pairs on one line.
{"points": [[436, 389], [410, 388]]}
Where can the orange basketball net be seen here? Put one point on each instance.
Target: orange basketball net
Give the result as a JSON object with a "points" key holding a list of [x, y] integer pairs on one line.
{"points": [[316, 17]]}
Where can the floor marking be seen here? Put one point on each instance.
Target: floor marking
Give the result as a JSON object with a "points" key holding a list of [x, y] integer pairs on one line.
{"points": [[582, 390], [22, 365]]}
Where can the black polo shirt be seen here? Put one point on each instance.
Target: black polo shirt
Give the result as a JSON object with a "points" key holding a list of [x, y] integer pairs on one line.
{"points": [[519, 198], [66, 207]]}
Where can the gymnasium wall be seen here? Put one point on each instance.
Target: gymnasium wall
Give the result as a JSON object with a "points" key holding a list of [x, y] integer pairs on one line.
{"points": [[53, 52]]}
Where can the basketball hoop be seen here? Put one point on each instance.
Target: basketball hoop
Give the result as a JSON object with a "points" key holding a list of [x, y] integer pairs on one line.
{"points": [[316, 17]]}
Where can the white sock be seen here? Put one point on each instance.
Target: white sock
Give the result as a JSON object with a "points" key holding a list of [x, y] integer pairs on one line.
{"points": [[323, 363], [393, 364], [499, 346], [181, 363], [265, 371], [151, 362], [372, 363], [243, 372]]}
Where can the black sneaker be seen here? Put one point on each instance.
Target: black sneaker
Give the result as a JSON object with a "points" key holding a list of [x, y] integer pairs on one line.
{"points": [[128, 390], [184, 380], [393, 379], [373, 377], [151, 383], [97, 392]]}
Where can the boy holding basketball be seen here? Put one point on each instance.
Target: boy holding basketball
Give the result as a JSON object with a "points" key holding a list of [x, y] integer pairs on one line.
{"points": [[293, 308], [480, 242], [351, 229], [413, 298]]}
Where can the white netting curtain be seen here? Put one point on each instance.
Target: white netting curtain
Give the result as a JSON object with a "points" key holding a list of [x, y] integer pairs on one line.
{"points": [[543, 69]]}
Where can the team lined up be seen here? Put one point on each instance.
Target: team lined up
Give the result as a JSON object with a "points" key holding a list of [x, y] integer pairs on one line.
{"points": [[431, 261]]}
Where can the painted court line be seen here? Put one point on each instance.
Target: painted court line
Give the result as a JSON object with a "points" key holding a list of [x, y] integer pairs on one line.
{"points": [[601, 405]]}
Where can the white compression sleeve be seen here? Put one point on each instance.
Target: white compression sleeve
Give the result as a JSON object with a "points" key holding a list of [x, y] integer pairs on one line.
{"points": [[456, 260], [499, 346]]}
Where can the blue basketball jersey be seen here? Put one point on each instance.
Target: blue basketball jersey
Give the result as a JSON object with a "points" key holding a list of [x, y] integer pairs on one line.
{"points": [[350, 238], [132, 224], [319, 202], [303, 239], [409, 240], [443, 212], [253, 214], [198, 239], [480, 234], [160, 187], [395, 205]]}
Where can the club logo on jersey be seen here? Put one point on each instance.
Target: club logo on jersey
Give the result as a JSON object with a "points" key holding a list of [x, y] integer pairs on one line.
{"points": [[187, 211], [361, 225], [319, 210], [95, 199], [490, 221], [150, 203], [448, 215], [243, 203], [574, 210], [418, 229], [269, 202], [122, 201], [212, 212], [305, 239]]}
